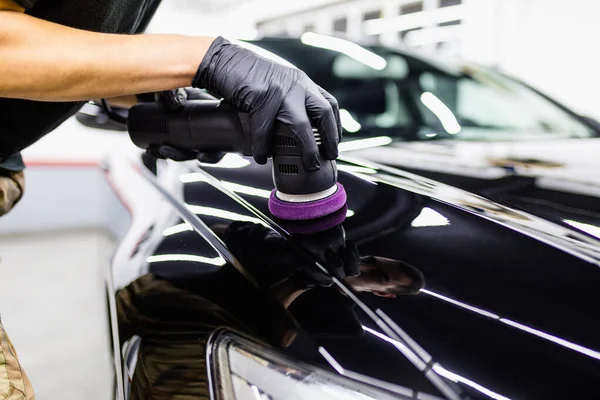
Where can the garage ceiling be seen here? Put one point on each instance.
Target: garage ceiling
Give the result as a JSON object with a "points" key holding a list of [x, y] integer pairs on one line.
{"points": [[212, 6]]}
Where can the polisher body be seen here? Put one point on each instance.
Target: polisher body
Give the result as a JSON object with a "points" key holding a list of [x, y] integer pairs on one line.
{"points": [[213, 126]]}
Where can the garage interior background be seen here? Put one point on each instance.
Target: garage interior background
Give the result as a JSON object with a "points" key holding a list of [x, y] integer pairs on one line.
{"points": [[70, 213], [547, 43]]}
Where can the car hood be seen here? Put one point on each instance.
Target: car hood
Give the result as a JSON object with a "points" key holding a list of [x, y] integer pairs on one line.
{"points": [[510, 303], [553, 179]]}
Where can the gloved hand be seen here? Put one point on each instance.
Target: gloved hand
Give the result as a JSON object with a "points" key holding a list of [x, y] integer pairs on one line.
{"points": [[269, 92], [338, 255], [271, 259]]}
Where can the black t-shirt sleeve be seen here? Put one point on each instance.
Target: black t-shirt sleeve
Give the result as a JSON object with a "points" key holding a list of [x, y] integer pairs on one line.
{"points": [[11, 164], [27, 4]]}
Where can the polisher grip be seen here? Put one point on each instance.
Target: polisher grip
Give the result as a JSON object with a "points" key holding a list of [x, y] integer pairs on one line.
{"points": [[213, 126], [200, 126]]}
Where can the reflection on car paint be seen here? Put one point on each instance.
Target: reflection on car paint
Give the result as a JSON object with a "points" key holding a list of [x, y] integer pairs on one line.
{"points": [[579, 245], [543, 335], [213, 243]]}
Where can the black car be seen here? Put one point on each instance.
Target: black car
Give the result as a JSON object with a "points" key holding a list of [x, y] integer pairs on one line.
{"points": [[455, 295], [461, 124]]}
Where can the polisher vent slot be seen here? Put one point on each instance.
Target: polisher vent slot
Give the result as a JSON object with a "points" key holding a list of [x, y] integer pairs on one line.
{"points": [[317, 136], [156, 126], [288, 169], [286, 141]]}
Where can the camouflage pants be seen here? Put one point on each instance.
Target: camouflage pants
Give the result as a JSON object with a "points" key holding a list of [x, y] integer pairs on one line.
{"points": [[14, 384], [11, 190]]}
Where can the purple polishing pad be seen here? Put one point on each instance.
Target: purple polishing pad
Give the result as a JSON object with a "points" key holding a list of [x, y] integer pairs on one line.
{"points": [[314, 225], [310, 210]]}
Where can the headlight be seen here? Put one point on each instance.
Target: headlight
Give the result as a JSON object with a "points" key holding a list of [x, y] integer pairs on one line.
{"points": [[241, 369]]}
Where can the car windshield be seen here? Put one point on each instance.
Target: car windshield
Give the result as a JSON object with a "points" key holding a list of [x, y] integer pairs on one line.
{"points": [[383, 92]]}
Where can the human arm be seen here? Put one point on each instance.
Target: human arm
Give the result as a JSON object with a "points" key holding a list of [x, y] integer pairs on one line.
{"points": [[66, 64], [43, 61]]}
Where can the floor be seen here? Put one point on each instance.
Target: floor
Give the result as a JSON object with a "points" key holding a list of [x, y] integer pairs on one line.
{"points": [[52, 305]]}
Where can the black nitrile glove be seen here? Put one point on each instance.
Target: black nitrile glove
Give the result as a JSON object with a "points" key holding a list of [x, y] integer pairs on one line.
{"points": [[338, 255], [271, 258], [269, 92]]}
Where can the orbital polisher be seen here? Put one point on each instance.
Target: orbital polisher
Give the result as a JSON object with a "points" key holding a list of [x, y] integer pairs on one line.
{"points": [[213, 126]]}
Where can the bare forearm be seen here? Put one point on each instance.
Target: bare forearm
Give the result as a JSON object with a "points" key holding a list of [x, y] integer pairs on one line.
{"points": [[126, 101], [40, 60]]}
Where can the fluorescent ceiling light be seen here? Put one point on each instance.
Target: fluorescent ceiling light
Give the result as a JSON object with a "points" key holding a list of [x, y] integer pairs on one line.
{"points": [[217, 212], [416, 20], [429, 217], [555, 339], [397, 24], [332, 361], [423, 37], [346, 47], [218, 261], [461, 304], [175, 229], [447, 14], [442, 112], [365, 143], [587, 228], [249, 190], [348, 121], [356, 169], [234, 187], [230, 160], [565, 343], [457, 378], [408, 353]]}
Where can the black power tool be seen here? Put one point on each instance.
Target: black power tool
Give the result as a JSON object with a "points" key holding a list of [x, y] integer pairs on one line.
{"points": [[213, 126]]}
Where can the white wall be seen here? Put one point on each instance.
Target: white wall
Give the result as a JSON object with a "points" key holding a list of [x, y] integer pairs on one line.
{"points": [[258, 10], [553, 45], [181, 17], [59, 198]]}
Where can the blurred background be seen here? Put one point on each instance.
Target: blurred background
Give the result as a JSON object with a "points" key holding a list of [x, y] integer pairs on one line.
{"points": [[548, 43], [59, 240]]}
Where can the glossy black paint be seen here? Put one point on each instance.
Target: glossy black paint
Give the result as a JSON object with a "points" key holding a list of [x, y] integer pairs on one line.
{"points": [[532, 170], [553, 179], [510, 299], [508, 309]]}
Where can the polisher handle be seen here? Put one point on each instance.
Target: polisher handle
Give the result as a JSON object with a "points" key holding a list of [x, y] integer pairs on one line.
{"points": [[213, 126], [201, 126]]}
